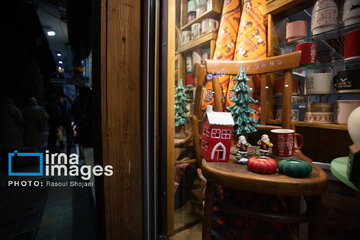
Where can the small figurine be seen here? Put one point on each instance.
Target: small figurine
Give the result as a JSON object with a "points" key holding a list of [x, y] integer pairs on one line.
{"points": [[242, 153], [265, 144]]}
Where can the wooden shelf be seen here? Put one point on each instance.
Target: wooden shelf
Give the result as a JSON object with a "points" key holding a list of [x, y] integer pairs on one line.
{"points": [[209, 14], [286, 7], [313, 125], [197, 42]]}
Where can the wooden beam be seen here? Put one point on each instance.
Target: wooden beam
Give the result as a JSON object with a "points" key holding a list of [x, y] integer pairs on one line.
{"points": [[264, 104], [286, 104], [120, 117], [170, 115], [217, 95], [277, 6]]}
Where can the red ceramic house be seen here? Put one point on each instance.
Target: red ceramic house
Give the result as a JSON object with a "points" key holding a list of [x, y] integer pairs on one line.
{"points": [[216, 135]]}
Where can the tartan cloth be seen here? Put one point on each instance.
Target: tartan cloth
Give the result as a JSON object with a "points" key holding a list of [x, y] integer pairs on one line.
{"points": [[229, 226], [178, 174]]}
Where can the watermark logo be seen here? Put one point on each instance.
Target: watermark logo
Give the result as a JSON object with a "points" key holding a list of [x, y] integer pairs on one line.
{"points": [[16, 154], [56, 164]]}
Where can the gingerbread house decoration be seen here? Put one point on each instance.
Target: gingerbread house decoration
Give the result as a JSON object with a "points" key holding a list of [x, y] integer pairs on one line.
{"points": [[216, 135]]}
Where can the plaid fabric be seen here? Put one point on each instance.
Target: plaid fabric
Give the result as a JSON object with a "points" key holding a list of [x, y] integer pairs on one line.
{"points": [[228, 226], [178, 174]]}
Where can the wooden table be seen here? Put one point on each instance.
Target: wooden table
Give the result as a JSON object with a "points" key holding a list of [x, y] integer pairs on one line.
{"points": [[233, 175]]}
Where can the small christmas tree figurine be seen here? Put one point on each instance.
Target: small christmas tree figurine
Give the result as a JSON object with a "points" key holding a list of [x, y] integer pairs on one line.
{"points": [[240, 111], [180, 111]]}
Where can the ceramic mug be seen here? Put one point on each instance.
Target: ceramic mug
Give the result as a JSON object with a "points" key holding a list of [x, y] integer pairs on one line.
{"points": [[348, 81], [325, 16], [296, 30], [191, 7], [308, 52], [195, 30], [209, 24], [200, 10], [352, 48], [351, 13], [191, 16], [186, 37], [205, 55], [284, 142], [189, 79], [344, 108], [196, 56], [295, 113], [188, 62], [318, 83], [319, 112], [201, 3]]}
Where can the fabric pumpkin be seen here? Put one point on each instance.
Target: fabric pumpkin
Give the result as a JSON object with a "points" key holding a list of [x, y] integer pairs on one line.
{"points": [[295, 168], [263, 165]]}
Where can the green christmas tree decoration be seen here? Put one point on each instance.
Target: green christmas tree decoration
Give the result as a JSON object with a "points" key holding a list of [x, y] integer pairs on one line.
{"points": [[240, 111], [180, 106]]}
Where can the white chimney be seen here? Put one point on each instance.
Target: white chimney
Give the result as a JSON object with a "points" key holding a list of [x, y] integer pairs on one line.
{"points": [[209, 108]]}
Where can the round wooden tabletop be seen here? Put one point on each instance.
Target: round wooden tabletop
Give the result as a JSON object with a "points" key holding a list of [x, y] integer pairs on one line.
{"points": [[233, 175]]}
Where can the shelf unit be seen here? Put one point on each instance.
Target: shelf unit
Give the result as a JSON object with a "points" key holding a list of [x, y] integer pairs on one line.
{"points": [[283, 8], [206, 39], [214, 10], [339, 62], [341, 30], [312, 125], [208, 14], [321, 95]]}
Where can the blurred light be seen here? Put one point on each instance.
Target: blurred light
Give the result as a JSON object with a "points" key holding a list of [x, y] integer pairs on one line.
{"points": [[58, 54], [51, 33], [60, 62]]}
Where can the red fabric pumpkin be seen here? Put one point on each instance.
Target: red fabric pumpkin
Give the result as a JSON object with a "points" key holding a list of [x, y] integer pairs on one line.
{"points": [[262, 165]]}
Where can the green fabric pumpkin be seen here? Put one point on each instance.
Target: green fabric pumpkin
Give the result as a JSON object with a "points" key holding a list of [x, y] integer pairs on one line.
{"points": [[294, 168]]}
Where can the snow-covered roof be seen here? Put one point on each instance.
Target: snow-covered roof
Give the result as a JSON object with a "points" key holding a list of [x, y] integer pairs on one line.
{"points": [[219, 118]]}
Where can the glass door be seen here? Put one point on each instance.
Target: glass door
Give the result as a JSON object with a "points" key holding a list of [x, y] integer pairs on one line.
{"points": [[189, 31]]}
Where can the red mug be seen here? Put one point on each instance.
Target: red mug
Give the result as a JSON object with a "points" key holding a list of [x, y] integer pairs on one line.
{"points": [[189, 79], [284, 142], [352, 49], [308, 52]]}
